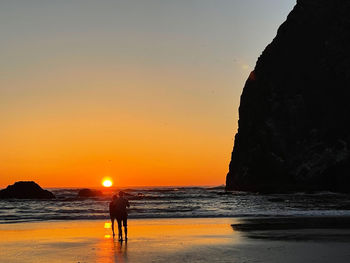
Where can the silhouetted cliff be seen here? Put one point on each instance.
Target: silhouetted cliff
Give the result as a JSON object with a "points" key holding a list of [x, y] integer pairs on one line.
{"points": [[294, 115]]}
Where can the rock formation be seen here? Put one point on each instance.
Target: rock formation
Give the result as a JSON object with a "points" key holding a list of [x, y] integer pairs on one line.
{"points": [[294, 115], [25, 190], [88, 193]]}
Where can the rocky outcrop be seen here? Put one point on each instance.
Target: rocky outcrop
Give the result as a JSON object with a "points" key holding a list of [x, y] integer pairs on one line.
{"points": [[25, 190], [87, 193], [294, 121]]}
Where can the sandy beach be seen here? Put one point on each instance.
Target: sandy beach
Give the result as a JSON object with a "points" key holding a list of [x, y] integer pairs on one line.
{"points": [[166, 240]]}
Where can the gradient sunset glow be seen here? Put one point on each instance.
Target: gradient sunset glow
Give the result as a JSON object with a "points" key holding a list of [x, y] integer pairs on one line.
{"points": [[144, 92]]}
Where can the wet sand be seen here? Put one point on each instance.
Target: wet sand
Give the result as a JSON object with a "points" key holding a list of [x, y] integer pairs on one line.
{"points": [[170, 240]]}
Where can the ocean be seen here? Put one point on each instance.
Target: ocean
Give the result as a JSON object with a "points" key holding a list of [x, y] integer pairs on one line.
{"points": [[176, 202]]}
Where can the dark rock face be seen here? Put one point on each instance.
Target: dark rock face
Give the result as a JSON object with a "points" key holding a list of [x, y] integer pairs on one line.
{"points": [[294, 116], [86, 193], [25, 190]]}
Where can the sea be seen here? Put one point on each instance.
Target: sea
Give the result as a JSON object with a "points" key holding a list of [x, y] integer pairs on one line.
{"points": [[175, 202]]}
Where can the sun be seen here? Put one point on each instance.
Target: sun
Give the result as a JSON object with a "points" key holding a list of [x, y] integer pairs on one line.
{"points": [[107, 182]]}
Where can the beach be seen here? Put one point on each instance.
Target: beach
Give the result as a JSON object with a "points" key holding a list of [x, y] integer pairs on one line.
{"points": [[170, 240]]}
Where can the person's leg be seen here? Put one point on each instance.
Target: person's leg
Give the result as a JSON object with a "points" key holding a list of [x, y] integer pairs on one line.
{"points": [[112, 219], [125, 223], [120, 235]]}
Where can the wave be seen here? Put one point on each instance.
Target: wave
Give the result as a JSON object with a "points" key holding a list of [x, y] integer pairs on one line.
{"points": [[176, 202]]}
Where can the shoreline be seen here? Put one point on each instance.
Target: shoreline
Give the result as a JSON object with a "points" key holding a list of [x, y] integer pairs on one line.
{"points": [[248, 220]]}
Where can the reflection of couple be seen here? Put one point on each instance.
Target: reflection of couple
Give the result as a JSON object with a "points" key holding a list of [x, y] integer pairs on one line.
{"points": [[118, 211]]}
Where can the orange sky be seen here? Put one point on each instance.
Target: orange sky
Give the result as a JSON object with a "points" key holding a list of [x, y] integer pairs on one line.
{"points": [[143, 92], [153, 138]]}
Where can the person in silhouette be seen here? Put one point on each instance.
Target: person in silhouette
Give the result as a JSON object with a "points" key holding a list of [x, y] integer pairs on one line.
{"points": [[118, 211]]}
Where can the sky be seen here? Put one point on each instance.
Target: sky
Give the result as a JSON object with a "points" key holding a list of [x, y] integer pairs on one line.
{"points": [[145, 92]]}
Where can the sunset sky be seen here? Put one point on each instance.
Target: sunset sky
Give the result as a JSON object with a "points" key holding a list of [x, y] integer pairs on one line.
{"points": [[145, 92]]}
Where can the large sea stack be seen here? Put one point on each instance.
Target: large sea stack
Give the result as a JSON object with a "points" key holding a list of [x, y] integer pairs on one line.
{"points": [[294, 115]]}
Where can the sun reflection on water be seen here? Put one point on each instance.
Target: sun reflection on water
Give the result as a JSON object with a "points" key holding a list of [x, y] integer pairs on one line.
{"points": [[110, 250]]}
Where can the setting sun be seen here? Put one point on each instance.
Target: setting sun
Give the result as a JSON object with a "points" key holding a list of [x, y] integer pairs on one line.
{"points": [[107, 182]]}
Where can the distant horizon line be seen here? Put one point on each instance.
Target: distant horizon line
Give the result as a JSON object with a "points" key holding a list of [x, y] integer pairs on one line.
{"points": [[116, 187], [153, 186]]}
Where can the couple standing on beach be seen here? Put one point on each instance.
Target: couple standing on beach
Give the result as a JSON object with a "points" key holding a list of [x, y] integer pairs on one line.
{"points": [[118, 211]]}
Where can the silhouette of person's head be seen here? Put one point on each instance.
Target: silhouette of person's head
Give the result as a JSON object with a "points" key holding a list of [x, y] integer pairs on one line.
{"points": [[121, 193], [115, 197]]}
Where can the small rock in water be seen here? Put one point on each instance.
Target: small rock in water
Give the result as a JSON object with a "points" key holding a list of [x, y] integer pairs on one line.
{"points": [[25, 190], [277, 200], [85, 193]]}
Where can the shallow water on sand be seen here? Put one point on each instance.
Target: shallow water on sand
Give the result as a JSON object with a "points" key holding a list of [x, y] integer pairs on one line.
{"points": [[92, 241], [198, 240]]}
